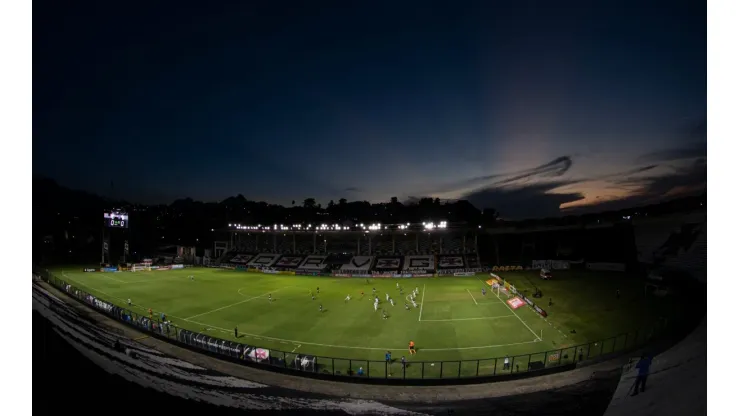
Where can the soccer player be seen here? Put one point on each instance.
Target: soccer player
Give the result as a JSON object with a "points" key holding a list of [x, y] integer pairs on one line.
{"points": [[313, 297], [392, 304], [191, 278], [417, 289], [129, 302], [483, 291], [375, 305], [317, 290], [321, 308], [412, 349], [385, 315], [269, 297], [387, 296], [407, 306], [346, 299], [373, 291], [397, 285], [362, 293], [413, 303]]}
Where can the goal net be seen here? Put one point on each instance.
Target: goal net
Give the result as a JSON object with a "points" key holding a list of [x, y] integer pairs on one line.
{"points": [[145, 265]]}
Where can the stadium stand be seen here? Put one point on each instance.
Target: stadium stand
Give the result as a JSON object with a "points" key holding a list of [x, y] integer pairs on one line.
{"points": [[385, 264], [336, 261], [451, 262], [289, 261], [419, 263], [471, 261], [358, 264], [264, 260], [313, 263], [681, 368], [240, 258]]}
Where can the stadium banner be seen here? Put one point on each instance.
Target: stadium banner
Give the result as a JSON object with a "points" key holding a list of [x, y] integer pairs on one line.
{"points": [[242, 268], [551, 264], [423, 275], [507, 268], [460, 274], [163, 268], [529, 302], [308, 273], [292, 273], [361, 275], [109, 269], [341, 275], [269, 271], [252, 269], [540, 311], [516, 302], [607, 267], [90, 270], [177, 266], [227, 267]]}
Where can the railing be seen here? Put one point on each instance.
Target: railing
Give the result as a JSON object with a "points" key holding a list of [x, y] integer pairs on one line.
{"points": [[526, 365]]}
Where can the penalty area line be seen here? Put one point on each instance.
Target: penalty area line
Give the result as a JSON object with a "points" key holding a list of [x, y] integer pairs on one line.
{"points": [[472, 297], [520, 320]]}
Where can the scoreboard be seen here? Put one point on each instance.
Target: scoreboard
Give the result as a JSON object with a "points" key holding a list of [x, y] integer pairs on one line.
{"points": [[115, 219]]}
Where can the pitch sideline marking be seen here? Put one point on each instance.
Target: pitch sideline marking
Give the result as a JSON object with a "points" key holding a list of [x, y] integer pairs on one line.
{"points": [[323, 345], [466, 319], [233, 304], [366, 348], [116, 297], [520, 319], [421, 306], [471, 295]]}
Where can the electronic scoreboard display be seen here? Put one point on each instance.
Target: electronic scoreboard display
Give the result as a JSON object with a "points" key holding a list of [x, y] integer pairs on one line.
{"points": [[115, 219]]}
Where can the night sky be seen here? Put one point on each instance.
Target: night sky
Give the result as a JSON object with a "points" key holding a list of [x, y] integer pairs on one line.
{"points": [[534, 110]]}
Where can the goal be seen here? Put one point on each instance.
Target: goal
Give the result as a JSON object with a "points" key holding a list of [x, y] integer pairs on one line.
{"points": [[145, 265]]}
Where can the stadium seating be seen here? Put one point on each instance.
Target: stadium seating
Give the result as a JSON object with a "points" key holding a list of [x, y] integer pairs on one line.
{"points": [[290, 261], [419, 263], [313, 263], [264, 259], [386, 264], [447, 261], [360, 264]]}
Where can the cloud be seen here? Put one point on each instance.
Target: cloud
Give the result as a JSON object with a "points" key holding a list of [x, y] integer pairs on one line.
{"points": [[351, 189], [555, 168], [528, 201], [690, 151], [685, 181]]}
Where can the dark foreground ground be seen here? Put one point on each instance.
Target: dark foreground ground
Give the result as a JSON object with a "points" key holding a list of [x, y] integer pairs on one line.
{"points": [[65, 380]]}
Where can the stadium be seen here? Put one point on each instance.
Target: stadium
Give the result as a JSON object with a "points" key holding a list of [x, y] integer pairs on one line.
{"points": [[485, 302]]}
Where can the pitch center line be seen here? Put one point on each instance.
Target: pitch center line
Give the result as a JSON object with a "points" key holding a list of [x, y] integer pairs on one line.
{"points": [[471, 295], [233, 304], [421, 306]]}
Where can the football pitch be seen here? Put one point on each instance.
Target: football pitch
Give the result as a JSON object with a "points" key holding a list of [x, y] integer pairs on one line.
{"points": [[453, 319]]}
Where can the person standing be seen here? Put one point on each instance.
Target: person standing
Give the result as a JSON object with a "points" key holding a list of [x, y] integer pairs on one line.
{"points": [[236, 332], [643, 369]]}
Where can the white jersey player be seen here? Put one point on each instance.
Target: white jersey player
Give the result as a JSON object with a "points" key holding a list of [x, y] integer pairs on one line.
{"points": [[375, 305], [346, 299], [392, 304], [397, 285], [129, 302], [413, 303], [387, 296]]}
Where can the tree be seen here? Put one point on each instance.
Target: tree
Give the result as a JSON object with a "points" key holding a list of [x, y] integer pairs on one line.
{"points": [[292, 202], [309, 203], [342, 201], [394, 200], [331, 204]]}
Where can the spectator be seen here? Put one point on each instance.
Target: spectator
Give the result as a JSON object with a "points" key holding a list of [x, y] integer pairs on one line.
{"points": [[643, 369], [360, 372]]}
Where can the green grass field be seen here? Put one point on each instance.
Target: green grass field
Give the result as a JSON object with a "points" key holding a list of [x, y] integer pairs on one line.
{"points": [[453, 320]]}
